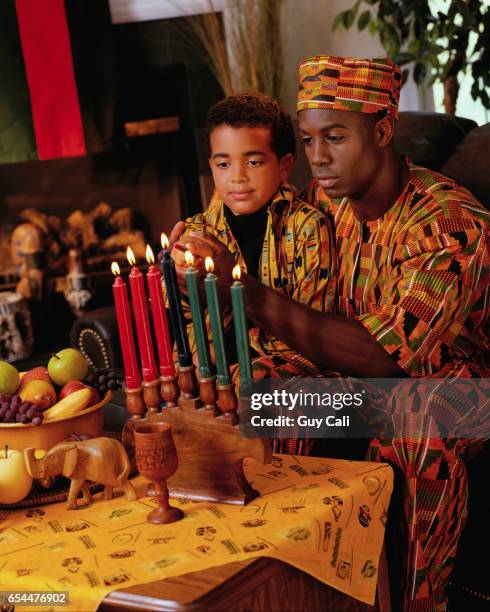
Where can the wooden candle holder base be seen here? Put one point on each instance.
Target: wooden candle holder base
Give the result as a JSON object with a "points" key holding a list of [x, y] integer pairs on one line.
{"points": [[211, 453], [228, 402], [189, 399], [135, 403], [151, 395], [211, 450], [209, 395], [169, 390]]}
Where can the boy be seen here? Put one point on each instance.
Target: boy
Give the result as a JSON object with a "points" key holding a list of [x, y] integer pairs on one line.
{"points": [[276, 238]]}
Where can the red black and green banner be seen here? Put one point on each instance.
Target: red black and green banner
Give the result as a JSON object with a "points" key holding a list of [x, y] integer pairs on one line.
{"points": [[58, 79]]}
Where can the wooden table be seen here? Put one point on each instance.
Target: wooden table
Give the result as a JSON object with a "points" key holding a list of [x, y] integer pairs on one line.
{"points": [[257, 585]]}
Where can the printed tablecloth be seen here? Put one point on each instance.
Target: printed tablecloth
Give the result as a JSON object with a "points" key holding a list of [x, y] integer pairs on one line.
{"points": [[324, 516]]}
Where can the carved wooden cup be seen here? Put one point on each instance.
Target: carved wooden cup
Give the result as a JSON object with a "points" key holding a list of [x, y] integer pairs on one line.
{"points": [[156, 460]]}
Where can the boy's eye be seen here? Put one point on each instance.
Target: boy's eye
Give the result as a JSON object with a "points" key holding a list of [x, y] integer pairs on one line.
{"points": [[254, 163], [334, 138], [306, 140], [223, 165]]}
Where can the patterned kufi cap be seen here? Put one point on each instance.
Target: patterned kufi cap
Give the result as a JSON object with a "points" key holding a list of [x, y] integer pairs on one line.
{"points": [[349, 83]]}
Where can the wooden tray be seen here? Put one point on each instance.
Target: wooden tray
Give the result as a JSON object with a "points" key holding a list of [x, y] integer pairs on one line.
{"points": [[39, 496]]}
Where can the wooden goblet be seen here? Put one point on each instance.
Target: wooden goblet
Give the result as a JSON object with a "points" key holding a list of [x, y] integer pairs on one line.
{"points": [[156, 460]]}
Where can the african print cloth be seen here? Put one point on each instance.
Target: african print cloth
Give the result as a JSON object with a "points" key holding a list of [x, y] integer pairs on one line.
{"points": [[324, 516], [297, 258], [349, 84], [418, 277]]}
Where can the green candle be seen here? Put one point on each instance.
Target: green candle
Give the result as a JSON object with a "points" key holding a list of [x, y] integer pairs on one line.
{"points": [[211, 288], [191, 277], [241, 331]]}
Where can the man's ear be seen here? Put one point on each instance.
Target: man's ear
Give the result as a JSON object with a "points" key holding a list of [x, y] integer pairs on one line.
{"points": [[286, 165], [384, 130]]}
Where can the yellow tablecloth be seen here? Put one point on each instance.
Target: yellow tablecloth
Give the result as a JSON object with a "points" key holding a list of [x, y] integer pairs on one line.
{"points": [[323, 516]]}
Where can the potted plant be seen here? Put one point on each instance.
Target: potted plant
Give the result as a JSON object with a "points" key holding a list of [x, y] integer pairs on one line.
{"points": [[445, 42]]}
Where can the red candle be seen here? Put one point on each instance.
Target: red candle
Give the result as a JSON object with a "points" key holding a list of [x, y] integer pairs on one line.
{"points": [[123, 315], [142, 320], [159, 315]]}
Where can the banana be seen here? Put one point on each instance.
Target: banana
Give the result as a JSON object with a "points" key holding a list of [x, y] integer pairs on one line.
{"points": [[69, 405]]}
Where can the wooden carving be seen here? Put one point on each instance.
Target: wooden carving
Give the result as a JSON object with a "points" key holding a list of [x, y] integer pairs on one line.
{"points": [[101, 460], [211, 453]]}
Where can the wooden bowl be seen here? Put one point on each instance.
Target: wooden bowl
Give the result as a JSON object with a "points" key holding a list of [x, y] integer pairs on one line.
{"points": [[89, 421]]}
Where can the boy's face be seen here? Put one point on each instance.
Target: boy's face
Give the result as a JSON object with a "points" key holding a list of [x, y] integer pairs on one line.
{"points": [[246, 171]]}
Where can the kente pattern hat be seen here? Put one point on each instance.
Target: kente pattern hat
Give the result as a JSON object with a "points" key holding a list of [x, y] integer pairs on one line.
{"points": [[349, 83]]}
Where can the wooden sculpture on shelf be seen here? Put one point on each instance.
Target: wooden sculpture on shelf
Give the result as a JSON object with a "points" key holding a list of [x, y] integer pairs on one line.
{"points": [[210, 448], [101, 460]]}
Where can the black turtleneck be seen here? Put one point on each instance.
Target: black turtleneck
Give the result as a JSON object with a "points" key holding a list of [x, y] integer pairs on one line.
{"points": [[249, 232]]}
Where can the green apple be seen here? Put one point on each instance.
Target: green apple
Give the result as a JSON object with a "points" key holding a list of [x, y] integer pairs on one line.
{"points": [[15, 481], [9, 378], [68, 364]]}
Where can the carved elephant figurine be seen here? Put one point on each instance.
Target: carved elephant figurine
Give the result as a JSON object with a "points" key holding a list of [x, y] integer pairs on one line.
{"points": [[102, 460]]}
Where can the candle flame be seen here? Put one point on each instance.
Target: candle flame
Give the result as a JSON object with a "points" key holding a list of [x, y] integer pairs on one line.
{"points": [[149, 255], [164, 241], [209, 264], [189, 258], [130, 256], [236, 272], [115, 268]]}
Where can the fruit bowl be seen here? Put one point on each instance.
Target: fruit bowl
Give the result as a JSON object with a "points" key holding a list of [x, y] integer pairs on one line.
{"points": [[88, 421]]}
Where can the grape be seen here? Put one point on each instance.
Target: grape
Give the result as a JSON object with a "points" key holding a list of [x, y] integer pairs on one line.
{"points": [[5, 405], [15, 400], [37, 420], [113, 384], [102, 390], [102, 379], [91, 378], [8, 416], [24, 407], [31, 413], [112, 375], [4, 398], [2, 413]]}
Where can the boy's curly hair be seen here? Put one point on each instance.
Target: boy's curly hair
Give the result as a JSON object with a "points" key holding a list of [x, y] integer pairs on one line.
{"points": [[255, 110]]}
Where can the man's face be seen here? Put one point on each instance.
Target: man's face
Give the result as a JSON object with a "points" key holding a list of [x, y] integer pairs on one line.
{"points": [[341, 150], [246, 171]]}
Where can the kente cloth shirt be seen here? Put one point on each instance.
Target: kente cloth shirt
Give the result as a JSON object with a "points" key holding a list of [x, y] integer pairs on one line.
{"points": [[418, 277], [297, 258]]}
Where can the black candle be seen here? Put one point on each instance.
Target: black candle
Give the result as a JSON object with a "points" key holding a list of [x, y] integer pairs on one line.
{"points": [[176, 315]]}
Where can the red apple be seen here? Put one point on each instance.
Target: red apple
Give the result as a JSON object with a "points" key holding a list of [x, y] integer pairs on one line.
{"points": [[75, 385]]}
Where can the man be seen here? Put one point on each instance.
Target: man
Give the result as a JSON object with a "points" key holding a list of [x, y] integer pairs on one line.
{"points": [[413, 269]]}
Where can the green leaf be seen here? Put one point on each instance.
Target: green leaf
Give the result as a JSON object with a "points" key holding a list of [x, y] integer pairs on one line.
{"points": [[403, 58], [363, 20], [338, 21], [484, 98], [348, 18]]}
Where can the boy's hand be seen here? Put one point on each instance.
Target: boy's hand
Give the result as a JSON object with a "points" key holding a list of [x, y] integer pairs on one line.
{"points": [[177, 231], [203, 245]]}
